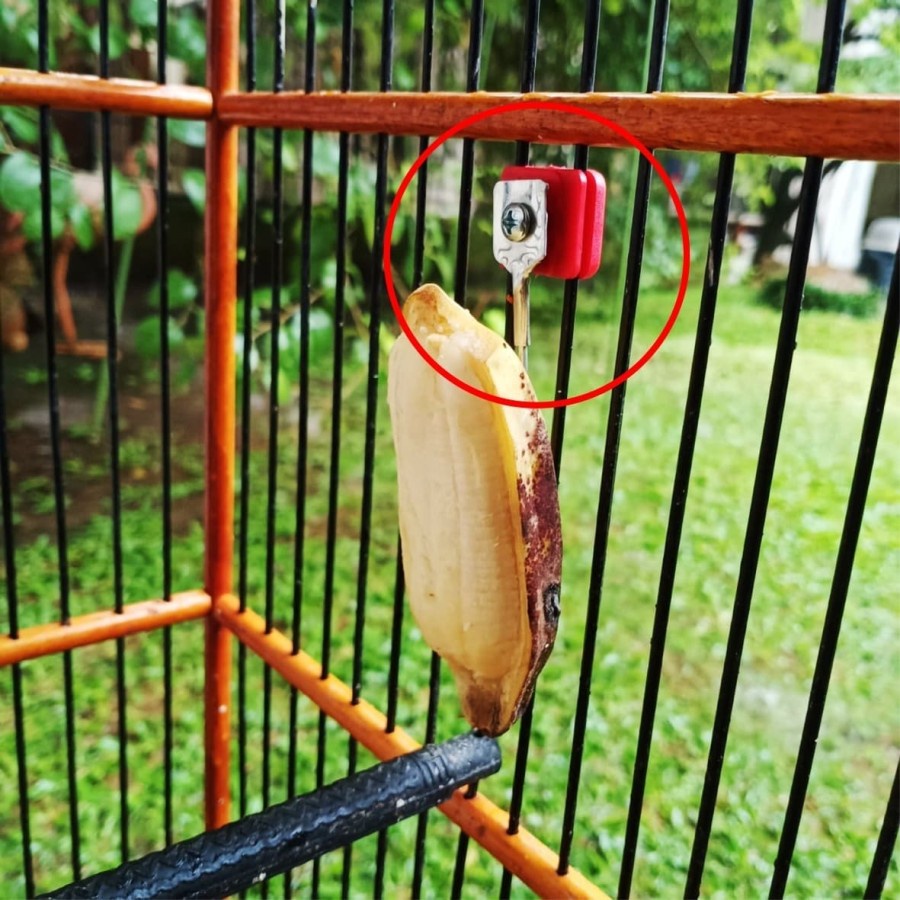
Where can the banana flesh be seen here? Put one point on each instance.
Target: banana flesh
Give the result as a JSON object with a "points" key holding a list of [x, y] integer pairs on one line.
{"points": [[478, 509]]}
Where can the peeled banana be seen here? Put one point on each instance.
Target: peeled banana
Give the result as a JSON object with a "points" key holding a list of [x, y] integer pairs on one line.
{"points": [[478, 509]]}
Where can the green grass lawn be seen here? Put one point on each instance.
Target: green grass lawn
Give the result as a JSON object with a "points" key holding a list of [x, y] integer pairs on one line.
{"points": [[858, 747]]}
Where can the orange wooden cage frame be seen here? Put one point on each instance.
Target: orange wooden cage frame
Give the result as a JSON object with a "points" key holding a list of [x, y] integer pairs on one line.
{"points": [[834, 125]]}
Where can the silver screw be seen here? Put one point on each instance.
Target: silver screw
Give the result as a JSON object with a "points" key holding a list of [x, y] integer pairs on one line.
{"points": [[517, 221]]}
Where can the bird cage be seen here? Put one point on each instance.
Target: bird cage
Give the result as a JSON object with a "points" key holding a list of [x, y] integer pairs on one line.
{"points": [[345, 680]]}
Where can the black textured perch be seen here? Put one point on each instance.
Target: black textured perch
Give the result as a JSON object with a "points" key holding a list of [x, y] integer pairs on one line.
{"points": [[233, 858]]}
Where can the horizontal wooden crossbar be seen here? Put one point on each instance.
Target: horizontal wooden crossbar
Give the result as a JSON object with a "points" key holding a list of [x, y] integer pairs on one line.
{"points": [[93, 628], [523, 854], [834, 125], [838, 126], [123, 95]]}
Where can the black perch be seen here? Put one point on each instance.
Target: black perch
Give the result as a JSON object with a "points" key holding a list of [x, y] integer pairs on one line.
{"points": [[231, 859]]}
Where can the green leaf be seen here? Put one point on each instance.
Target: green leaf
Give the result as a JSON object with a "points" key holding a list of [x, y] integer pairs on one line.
{"points": [[62, 191], [289, 346], [147, 338], [22, 122], [183, 291], [187, 40], [20, 191], [31, 224], [321, 335], [118, 39], [285, 386], [143, 12], [194, 183], [385, 341], [239, 315], [82, 225], [20, 183], [326, 156], [191, 133], [17, 43], [128, 208], [262, 298], [58, 147], [404, 77], [328, 275], [290, 158], [242, 187]]}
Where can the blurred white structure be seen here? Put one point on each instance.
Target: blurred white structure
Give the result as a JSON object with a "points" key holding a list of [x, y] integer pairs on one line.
{"points": [[853, 197]]}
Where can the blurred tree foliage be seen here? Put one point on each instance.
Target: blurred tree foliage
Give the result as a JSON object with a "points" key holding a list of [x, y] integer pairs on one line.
{"points": [[783, 56]]}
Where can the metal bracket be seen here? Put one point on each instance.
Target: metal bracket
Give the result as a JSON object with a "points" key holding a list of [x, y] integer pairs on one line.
{"points": [[520, 243]]}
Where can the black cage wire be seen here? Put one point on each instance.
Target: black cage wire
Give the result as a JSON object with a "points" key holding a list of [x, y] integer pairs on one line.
{"points": [[316, 496]]}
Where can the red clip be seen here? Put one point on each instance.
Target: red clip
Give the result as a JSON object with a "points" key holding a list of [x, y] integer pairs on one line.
{"points": [[576, 206]]}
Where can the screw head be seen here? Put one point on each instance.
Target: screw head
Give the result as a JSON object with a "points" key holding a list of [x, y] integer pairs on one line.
{"points": [[517, 221]]}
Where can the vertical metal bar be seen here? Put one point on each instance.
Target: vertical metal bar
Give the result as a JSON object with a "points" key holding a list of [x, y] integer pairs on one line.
{"points": [[321, 745], [422, 179], [305, 288], [303, 423], [393, 688], [338, 352], [787, 335], [529, 65], [887, 839], [463, 221], [162, 259], [840, 584], [246, 375], [112, 368], [590, 39], [375, 299], [220, 270], [12, 605], [347, 853], [274, 381], [380, 856], [526, 85], [336, 399], [464, 218], [434, 687], [21, 764], [434, 678], [611, 449], [589, 52], [59, 499], [375, 291], [702, 343], [396, 645], [462, 850]]}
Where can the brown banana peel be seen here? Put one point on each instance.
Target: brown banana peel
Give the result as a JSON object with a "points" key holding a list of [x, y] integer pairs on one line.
{"points": [[478, 509]]}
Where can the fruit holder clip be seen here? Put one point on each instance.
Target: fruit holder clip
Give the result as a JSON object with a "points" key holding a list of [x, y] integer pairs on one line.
{"points": [[547, 221]]}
